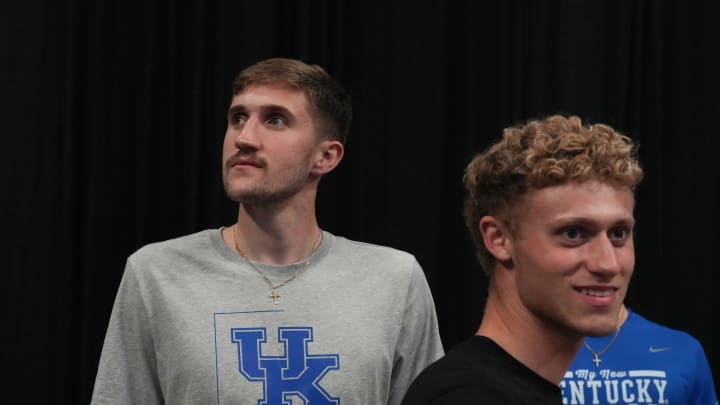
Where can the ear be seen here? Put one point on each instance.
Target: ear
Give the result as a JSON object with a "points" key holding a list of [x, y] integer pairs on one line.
{"points": [[496, 238], [328, 156]]}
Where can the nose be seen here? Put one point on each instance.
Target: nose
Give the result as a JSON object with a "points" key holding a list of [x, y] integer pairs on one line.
{"points": [[246, 137], [603, 256]]}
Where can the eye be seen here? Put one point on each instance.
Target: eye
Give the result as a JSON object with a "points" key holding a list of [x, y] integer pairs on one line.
{"points": [[277, 120], [619, 233], [572, 236], [572, 233], [238, 118]]}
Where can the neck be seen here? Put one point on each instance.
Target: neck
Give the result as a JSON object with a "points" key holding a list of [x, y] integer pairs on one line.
{"points": [[538, 344], [624, 313], [277, 234]]}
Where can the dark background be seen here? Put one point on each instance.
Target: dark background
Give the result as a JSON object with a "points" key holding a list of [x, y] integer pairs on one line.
{"points": [[112, 118]]}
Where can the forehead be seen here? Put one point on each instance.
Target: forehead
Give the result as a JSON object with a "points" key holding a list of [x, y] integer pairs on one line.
{"points": [[256, 96], [591, 201]]}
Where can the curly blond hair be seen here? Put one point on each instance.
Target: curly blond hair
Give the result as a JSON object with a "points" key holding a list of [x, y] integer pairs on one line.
{"points": [[542, 153]]}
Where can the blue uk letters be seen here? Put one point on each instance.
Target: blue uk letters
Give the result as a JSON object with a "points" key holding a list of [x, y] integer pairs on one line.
{"points": [[294, 373]]}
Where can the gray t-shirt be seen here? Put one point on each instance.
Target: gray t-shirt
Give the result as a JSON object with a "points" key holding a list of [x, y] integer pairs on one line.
{"points": [[193, 323]]}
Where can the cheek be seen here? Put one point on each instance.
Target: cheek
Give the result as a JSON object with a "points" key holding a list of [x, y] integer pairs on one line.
{"points": [[553, 264], [228, 147], [541, 254], [626, 257]]}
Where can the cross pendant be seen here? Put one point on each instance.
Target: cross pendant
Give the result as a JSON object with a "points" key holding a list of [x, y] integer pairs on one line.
{"points": [[275, 295], [597, 361]]}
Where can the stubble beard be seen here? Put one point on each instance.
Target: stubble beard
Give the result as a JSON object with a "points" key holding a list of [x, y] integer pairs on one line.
{"points": [[265, 192]]}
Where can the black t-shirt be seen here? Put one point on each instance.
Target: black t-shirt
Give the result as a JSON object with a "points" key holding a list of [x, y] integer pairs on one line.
{"points": [[478, 371]]}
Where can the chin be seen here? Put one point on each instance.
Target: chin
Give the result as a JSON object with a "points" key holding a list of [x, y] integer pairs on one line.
{"points": [[238, 195], [247, 198], [602, 327], [232, 194]]}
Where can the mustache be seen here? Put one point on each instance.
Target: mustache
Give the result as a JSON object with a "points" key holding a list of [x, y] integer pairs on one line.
{"points": [[245, 159]]}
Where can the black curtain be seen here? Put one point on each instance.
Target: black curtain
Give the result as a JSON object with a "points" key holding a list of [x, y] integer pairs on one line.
{"points": [[112, 118]]}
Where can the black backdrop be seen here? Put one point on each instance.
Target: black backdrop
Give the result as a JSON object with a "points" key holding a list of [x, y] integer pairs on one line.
{"points": [[112, 118]]}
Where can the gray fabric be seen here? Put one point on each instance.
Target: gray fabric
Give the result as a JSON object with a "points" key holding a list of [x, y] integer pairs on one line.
{"points": [[187, 307]]}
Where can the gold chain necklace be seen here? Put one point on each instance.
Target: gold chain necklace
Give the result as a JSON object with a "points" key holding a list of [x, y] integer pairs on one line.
{"points": [[274, 287], [597, 355]]}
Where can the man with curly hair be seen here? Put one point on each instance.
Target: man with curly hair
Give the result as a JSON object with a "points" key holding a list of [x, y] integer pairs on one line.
{"points": [[550, 209]]}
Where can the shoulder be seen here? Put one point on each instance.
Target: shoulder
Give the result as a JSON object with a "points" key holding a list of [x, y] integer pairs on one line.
{"points": [[372, 256], [472, 372], [176, 253], [640, 323], [175, 245], [462, 365], [365, 248], [442, 382], [655, 334]]}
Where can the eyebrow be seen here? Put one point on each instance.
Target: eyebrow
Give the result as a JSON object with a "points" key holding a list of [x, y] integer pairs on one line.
{"points": [[235, 109], [582, 221], [276, 108]]}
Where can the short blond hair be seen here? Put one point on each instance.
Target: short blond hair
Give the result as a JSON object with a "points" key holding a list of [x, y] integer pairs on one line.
{"points": [[542, 153]]}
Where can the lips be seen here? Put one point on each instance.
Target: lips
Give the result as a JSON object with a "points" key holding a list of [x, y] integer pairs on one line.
{"points": [[595, 291], [244, 161]]}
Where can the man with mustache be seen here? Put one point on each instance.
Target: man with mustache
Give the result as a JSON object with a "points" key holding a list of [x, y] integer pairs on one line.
{"points": [[271, 309]]}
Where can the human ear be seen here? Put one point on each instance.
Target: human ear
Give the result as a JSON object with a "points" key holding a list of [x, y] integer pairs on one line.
{"points": [[496, 238], [328, 156]]}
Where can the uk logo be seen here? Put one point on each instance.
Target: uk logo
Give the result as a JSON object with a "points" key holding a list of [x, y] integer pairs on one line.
{"points": [[295, 374]]}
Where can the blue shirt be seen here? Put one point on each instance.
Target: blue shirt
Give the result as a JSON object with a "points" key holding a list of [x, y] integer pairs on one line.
{"points": [[646, 364]]}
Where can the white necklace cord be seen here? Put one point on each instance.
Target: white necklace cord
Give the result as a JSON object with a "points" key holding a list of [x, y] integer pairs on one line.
{"points": [[274, 287], [596, 355]]}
